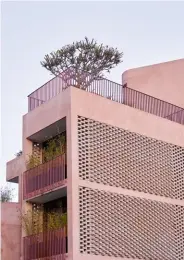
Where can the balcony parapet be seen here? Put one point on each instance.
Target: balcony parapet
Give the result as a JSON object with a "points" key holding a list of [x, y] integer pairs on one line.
{"points": [[46, 245], [45, 177], [15, 168]]}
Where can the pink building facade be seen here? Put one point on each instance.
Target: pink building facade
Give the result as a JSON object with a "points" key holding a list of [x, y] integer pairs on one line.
{"points": [[121, 177]]}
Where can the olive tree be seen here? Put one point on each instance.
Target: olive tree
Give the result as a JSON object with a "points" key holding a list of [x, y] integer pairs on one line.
{"points": [[83, 61]]}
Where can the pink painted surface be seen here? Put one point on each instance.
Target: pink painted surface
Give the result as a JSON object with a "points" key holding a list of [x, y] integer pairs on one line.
{"points": [[46, 114], [164, 81], [15, 167], [46, 245], [45, 177], [100, 257], [119, 115], [73, 102], [105, 111], [10, 231]]}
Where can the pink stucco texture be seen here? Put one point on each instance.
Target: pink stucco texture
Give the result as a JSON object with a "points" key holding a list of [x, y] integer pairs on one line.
{"points": [[10, 231]]}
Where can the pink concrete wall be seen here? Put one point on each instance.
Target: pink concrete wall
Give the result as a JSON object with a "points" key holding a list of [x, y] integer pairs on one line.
{"points": [[46, 114], [101, 109], [100, 257], [39, 118], [15, 167], [164, 81], [10, 231], [73, 102], [98, 108]]}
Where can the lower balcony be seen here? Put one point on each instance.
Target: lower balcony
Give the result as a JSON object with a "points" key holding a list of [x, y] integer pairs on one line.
{"points": [[44, 178], [50, 245]]}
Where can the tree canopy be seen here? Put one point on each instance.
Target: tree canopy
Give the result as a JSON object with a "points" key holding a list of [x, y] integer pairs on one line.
{"points": [[6, 194], [84, 61]]}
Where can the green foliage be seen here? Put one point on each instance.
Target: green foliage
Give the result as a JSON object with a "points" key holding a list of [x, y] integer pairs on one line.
{"points": [[6, 194], [56, 220], [33, 221], [32, 161], [55, 147], [19, 153], [83, 56]]}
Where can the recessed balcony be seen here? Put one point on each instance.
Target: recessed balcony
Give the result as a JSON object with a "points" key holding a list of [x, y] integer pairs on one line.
{"points": [[45, 226], [45, 178], [46, 245]]}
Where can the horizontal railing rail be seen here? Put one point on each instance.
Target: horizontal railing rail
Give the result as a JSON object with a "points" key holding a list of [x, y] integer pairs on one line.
{"points": [[152, 105], [177, 116], [110, 90], [46, 245], [44, 177], [102, 87], [34, 102]]}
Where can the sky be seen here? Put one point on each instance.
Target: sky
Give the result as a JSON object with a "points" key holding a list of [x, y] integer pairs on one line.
{"points": [[147, 33]]}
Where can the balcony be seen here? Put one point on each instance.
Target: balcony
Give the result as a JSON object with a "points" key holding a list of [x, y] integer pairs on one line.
{"points": [[110, 90], [14, 168], [45, 177], [47, 245]]}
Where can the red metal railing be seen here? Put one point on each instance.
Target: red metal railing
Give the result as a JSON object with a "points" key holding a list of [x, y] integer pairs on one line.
{"points": [[153, 105], [112, 91], [102, 87], [34, 102], [45, 93], [48, 245], [44, 177], [177, 116]]}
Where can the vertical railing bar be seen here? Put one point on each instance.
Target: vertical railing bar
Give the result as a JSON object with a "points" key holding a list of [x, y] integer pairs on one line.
{"points": [[146, 103], [136, 99], [108, 88], [130, 97], [159, 110], [151, 105], [46, 174], [60, 169], [63, 164], [135, 104]]}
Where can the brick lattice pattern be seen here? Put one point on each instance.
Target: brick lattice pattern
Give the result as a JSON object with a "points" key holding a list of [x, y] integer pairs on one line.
{"points": [[122, 226], [120, 158]]}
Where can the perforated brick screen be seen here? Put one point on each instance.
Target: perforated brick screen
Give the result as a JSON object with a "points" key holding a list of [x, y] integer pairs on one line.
{"points": [[122, 226], [120, 158]]}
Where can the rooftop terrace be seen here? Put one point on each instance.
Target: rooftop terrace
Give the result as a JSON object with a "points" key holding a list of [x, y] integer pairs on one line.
{"points": [[110, 90]]}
